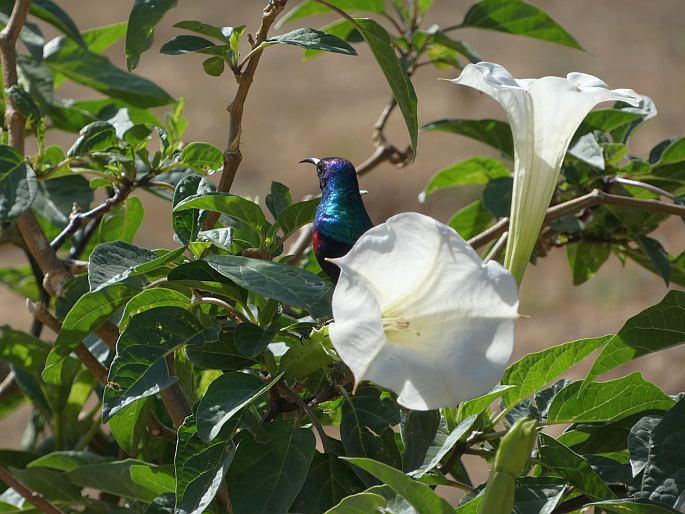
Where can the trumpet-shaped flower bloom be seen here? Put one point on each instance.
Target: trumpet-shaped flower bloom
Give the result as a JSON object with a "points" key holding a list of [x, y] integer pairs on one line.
{"points": [[418, 312], [543, 114]]}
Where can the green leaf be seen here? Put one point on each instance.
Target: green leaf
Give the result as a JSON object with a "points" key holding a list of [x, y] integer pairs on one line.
{"points": [[418, 430], [214, 66], [380, 43], [123, 221], [639, 440], [574, 468], [222, 354], [360, 503], [150, 298], [497, 196], [656, 328], [607, 120], [22, 350], [141, 26], [221, 33], [517, 17], [21, 281], [186, 224], [297, 215], [97, 136], [53, 485], [56, 198], [479, 404], [664, 476], [97, 72], [312, 39], [113, 478], [89, 312], [99, 39], [199, 275], [585, 259], [202, 156], [537, 495], [225, 397], [51, 13], [180, 45], [607, 401], [310, 8], [495, 133], [200, 467], [329, 480], [278, 199], [139, 368], [234, 206], [535, 370], [67, 460], [306, 357], [471, 220], [266, 478], [657, 255], [128, 426], [443, 442], [280, 282], [633, 506], [110, 263], [159, 479], [476, 170], [419, 495], [18, 185]]}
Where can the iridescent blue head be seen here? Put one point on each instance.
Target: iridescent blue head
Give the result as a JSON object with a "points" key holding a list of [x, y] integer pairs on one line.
{"points": [[334, 172]]}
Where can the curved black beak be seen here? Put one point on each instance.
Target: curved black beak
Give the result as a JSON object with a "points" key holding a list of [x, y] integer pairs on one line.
{"points": [[312, 160]]}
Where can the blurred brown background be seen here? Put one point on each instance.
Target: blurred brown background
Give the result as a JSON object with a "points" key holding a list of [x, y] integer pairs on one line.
{"points": [[327, 107]]}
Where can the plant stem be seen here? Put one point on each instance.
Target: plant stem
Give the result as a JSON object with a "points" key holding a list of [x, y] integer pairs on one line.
{"points": [[593, 198], [34, 498], [295, 398]]}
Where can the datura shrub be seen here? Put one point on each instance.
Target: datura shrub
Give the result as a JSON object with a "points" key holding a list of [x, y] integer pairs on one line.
{"points": [[228, 373]]}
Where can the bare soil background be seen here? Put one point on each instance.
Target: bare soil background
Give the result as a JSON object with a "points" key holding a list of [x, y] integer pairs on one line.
{"points": [[327, 106]]}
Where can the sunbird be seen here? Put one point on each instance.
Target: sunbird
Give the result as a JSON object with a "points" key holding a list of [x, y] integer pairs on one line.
{"points": [[341, 217]]}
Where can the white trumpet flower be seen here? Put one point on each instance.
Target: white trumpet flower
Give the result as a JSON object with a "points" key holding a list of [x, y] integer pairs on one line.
{"points": [[543, 114], [416, 311]]}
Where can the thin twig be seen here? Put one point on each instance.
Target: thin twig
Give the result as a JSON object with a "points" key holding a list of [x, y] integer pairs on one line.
{"points": [[497, 247], [77, 219], [34, 498], [295, 398], [232, 154], [234, 314], [643, 185], [593, 198]]}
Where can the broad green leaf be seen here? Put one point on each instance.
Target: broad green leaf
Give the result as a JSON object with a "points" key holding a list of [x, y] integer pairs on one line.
{"points": [[18, 186], [234, 206], [297, 215], [418, 430], [97, 72], [344, 29], [535, 370], [585, 259], [99, 39], [312, 39], [265, 478], [186, 224], [607, 120], [149, 299], [380, 43], [329, 480], [222, 354], [180, 45], [20, 280], [537, 495], [588, 150], [97, 136], [607, 401], [495, 133], [360, 503], [221, 33], [200, 467], [202, 156], [497, 196], [657, 255], [113, 478], [278, 199], [141, 26], [56, 198], [633, 506], [110, 263], [22, 350], [419, 495], [443, 442], [139, 368], [311, 7], [517, 17], [664, 475], [128, 426], [307, 356], [67, 460], [123, 221], [476, 170], [479, 404], [471, 220], [214, 66], [280, 282], [53, 485], [163, 504], [656, 328], [89, 312], [639, 440], [225, 397], [219, 237], [158, 479], [251, 339], [573, 467], [51, 13], [200, 275]]}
